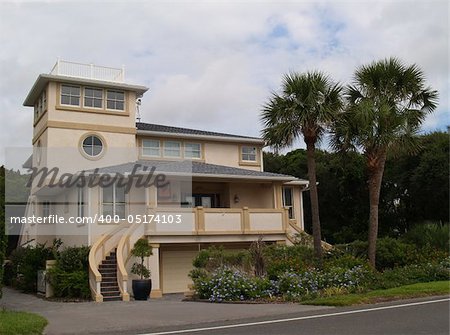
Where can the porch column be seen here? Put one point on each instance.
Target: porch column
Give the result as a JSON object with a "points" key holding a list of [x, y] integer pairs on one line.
{"points": [[153, 265]]}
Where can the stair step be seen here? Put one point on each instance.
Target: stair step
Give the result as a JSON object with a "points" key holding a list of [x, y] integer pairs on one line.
{"points": [[107, 267], [111, 294], [115, 298], [109, 279], [107, 284], [109, 262]]}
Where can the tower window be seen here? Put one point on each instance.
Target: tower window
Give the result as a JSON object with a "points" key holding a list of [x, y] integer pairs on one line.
{"points": [[70, 95], [115, 100], [92, 146], [93, 97]]}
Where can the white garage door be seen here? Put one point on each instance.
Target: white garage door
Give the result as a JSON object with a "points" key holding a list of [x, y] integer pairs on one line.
{"points": [[176, 266]]}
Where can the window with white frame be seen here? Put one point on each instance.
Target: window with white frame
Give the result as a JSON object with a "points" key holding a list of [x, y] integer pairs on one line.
{"points": [[70, 95], [114, 201], [92, 146], [172, 149], [46, 209], [248, 154], [151, 148], [81, 202], [41, 104], [115, 100], [288, 200], [93, 97], [192, 150]]}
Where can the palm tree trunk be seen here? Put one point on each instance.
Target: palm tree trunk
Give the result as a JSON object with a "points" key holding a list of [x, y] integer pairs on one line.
{"points": [[376, 169], [310, 149]]}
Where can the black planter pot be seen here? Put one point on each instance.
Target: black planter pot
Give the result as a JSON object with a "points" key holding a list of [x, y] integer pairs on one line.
{"points": [[141, 288]]}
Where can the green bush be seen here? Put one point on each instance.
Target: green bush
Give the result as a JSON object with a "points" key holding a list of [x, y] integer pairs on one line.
{"points": [[411, 274], [216, 257], [226, 284], [280, 259], [27, 261], [429, 235], [70, 275]]}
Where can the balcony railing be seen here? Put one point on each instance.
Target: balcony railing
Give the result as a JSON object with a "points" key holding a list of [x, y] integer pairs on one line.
{"points": [[207, 221], [88, 71]]}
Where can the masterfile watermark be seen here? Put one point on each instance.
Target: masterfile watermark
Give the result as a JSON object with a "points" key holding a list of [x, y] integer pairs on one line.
{"points": [[140, 176]]}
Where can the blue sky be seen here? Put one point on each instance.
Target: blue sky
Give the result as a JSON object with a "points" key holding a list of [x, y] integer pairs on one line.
{"points": [[212, 65]]}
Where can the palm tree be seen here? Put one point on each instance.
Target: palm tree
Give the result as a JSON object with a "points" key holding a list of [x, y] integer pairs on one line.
{"points": [[307, 104], [386, 105]]}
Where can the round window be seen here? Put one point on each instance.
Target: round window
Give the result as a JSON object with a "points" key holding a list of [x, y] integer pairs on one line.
{"points": [[92, 146]]}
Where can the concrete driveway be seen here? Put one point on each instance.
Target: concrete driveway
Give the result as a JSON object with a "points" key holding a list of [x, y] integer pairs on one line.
{"points": [[138, 316]]}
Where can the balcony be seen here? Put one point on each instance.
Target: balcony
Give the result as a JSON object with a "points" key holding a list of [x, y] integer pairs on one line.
{"points": [[88, 71], [217, 221]]}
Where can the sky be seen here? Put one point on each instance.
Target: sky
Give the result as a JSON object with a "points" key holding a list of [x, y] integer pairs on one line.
{"points": [[212, 64]]}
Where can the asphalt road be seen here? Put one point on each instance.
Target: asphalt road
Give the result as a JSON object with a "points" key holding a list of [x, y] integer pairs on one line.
{"points": [[409, 318]]}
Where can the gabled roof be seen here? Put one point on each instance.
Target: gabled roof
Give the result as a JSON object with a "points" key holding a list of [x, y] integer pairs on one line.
{"points": [[162, 130], [194, 169]]}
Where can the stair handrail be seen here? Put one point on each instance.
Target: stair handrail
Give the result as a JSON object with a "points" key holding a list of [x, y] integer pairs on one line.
{"points": [[325, 245], [95, 277], [123, 255]]}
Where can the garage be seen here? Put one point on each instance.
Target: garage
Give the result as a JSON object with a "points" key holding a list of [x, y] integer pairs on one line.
{"points": [[176, 265]]}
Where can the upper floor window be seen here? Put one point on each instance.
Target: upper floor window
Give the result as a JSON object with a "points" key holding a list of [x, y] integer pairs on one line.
{"points": [[80, 202], [172, 149], [70, 95], [46, 209], [248, 154], [115, 100], [41, 104], [92, 145], [151, 148], [114, 201], [93, 97], [192, 150], [288, 200]]}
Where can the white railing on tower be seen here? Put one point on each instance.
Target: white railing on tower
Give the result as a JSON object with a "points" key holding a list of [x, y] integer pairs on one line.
{"points": [[89, 71]]}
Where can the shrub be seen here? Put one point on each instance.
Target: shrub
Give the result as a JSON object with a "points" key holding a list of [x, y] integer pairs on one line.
{"points": [[429, 235], [27, 261], [227, 284], [414, 273], [70, 276], [216, 257], [281, 259]]}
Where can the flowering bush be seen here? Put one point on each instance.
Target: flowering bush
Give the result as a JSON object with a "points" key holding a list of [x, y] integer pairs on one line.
{"points": [[226, 284]]}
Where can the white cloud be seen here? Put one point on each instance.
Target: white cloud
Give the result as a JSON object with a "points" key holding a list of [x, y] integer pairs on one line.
{"points": [[212, 65]]}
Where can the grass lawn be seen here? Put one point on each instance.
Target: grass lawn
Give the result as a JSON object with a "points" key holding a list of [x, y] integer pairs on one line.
{"points": [[401, 292], [21, 323]]}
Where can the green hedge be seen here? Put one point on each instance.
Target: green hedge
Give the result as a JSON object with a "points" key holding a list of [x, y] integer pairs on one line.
{"points": [[70, 276]]}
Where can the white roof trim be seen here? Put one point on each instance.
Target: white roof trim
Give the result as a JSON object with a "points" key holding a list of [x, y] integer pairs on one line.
{"points": [[200, 137]]}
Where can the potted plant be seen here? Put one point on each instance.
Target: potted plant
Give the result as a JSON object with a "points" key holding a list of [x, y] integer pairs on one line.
{"points": [[143, 286]]}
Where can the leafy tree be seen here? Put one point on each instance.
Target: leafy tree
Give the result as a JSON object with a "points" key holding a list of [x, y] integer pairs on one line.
{"points": [[307, 105], [387, 104]]}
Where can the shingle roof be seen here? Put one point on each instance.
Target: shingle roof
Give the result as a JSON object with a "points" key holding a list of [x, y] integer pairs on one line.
{"points": [[186, 131], [192, 168]]}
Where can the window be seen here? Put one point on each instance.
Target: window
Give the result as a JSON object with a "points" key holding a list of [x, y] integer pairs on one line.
{"points": [[93, 97], [151, 148], [172, 149], [38, 152], [288, 200], [248, 154], [46, 209], [115, 100], [80, 202], [192, 150], [114, 201], [92, 146], [41, 104], [70, 95]]}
